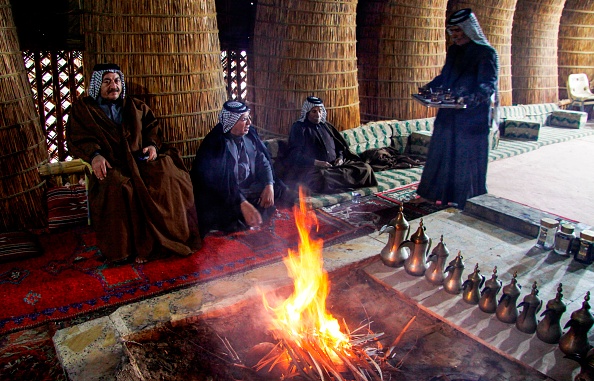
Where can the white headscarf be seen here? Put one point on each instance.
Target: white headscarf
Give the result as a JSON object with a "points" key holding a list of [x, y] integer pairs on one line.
{"points": [[97, 78], [310, 103], [467, 21]]}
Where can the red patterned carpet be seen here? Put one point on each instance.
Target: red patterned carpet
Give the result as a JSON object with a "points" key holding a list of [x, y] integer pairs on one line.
{"points": [[70, 278]]}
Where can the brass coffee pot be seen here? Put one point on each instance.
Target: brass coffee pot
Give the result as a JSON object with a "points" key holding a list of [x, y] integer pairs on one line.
{"points": [[452, 284], [587, 366], [488, 301], [438, 257], [472, 286], [575, 341], [398, 228], [507, 311], [526, 321], [419, 245], [549, 328]]}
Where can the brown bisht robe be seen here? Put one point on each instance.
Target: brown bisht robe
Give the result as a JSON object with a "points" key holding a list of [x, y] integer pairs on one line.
{"points": [[141, 208], [309, 142]]}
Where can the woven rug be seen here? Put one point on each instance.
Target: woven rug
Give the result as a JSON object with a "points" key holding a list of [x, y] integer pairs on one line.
{"points": [[375, 211], [70, 279]]}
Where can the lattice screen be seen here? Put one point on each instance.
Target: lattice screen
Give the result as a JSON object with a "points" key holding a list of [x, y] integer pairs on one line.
{"points": [[57, 80], [235, 73]]}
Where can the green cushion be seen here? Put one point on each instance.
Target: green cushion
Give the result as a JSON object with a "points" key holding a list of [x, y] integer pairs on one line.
{"points": [[568, 119], [521, 129]]}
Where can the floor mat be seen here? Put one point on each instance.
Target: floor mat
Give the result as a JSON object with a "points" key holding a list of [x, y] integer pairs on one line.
{"points": [[70, 279]]}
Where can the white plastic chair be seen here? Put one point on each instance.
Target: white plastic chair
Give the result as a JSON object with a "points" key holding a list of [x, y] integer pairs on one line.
{"points": [[578, 89]]}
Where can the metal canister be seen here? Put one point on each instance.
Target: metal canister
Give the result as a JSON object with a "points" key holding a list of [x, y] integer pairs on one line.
{"points": [[585, 252], [563, 239], [546, 235]]}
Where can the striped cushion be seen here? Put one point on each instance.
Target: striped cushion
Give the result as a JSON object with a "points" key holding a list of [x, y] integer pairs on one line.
{"points": [[67, 206], [419, 142], [539, 112], [404, 128], [17, 246], [368, 136]]}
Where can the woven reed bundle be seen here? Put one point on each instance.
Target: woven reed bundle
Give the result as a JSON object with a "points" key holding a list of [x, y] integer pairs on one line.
{"points": [[21, 137], [496, 20], [302, 48], [169, 52], [401, 46], [576, 42], [534, 51]]}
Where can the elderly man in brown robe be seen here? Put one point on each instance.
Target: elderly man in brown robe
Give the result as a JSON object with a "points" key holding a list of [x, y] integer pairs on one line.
{"points": [[140, 194]]}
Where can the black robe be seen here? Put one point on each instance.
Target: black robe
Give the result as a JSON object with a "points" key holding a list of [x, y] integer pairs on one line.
{"points": [[456, 167], [217, 192], [306, 144]]}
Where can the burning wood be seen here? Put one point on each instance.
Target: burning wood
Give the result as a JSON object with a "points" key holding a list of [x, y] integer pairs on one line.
{"points": [[311, 342]]}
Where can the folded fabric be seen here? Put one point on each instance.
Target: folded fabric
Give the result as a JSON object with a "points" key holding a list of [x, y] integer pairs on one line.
{"points": [[18, 245], [67, 206]]}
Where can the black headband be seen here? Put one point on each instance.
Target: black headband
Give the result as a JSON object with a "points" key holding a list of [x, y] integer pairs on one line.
{"points": [[459, 16]]}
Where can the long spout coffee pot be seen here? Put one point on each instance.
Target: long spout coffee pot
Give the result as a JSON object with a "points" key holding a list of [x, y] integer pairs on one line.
{"points": [[507, 311], [526, 321], [398, 228], [472, 286], [419, 245], [452, 284], [575, 341], [439, 255], [549, 328], [488, 301]]}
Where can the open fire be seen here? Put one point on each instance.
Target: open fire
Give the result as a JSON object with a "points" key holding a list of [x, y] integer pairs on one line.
{"points": [[311, 342]]}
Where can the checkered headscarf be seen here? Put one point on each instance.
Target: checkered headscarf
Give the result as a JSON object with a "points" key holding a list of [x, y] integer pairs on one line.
{"points": [[467, 21], [97, 79], [310, 103], [231, 113]]}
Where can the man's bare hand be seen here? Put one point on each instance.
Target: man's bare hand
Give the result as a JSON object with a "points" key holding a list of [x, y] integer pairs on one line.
{"points": [[339, 161], [322, 164], [250, 214], [267, 196], [100, 165], [152, 152]]}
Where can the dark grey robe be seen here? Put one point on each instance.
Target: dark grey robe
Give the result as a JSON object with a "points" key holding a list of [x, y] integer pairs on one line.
{"points": [[309, 142], [456, 167]]}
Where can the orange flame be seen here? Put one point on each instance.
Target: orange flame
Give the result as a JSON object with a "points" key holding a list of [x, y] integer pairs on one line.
{"points": [[303, 314]]}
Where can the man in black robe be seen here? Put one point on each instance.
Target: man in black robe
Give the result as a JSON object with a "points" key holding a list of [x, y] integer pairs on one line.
{"points": [[320, 157], [456, 167], [234, 183]]}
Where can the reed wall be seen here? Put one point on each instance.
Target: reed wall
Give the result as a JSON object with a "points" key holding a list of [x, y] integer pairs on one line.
{"points": [[401, 46], [21, 137], [534, 51], [302, 48], [169, 52], [576, 42]]}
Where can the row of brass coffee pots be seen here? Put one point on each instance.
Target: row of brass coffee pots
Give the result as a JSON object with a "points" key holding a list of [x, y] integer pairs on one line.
{"points": [[413, 255]]}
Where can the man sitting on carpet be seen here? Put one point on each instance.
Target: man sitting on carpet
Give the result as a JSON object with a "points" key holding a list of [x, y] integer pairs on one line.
{"points": [[234, 182], [321, 159], [140, 194]]}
